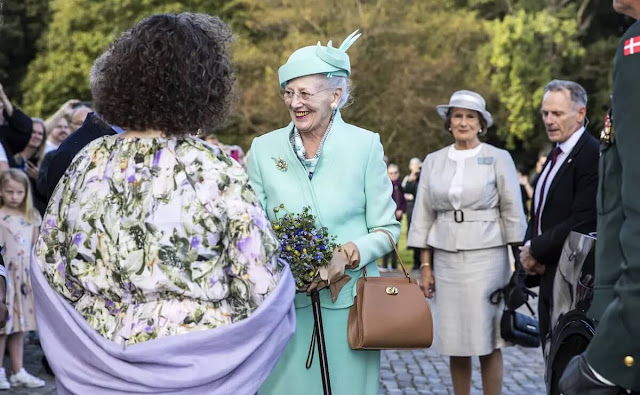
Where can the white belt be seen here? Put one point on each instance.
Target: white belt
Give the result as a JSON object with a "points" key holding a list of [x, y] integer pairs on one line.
{"points": [[468, 215]]}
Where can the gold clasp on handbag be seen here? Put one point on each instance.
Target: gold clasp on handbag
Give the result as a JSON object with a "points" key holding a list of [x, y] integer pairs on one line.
{"points": [[391, 290]]}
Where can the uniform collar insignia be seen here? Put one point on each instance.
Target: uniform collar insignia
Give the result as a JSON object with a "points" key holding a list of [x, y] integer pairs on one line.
{"points": [[606, 135]]}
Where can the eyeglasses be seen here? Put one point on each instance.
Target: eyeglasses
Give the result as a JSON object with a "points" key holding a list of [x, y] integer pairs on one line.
{"points": [[288, 95]]}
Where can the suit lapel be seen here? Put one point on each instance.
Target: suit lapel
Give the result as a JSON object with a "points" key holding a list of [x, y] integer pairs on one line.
{"points": [[567, 163], [293, 160], [549, 155]]}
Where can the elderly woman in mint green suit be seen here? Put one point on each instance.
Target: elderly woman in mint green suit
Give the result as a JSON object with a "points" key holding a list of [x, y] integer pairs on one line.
{"points": [[319, 160]]}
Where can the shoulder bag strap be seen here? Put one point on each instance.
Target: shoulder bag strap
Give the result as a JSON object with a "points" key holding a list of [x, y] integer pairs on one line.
{"points": [[395, 249]]}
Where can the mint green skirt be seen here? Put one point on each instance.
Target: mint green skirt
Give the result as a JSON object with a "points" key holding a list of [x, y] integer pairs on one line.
{"points": [[351, 372]]}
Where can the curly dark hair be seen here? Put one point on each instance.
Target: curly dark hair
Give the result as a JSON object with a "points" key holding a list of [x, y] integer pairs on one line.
{"points": [[169, 72]]}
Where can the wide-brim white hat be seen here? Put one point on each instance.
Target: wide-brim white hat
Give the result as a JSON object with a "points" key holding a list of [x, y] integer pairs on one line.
{"points": [[469, 100]]}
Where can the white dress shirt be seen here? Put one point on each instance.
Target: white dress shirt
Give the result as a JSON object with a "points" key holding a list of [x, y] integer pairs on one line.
{"points": [[49, 146], [3, 154], [566, 148]]}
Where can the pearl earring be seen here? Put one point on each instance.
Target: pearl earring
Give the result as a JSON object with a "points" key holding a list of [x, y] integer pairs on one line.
{"points": [[334, 106], [450, 130]]}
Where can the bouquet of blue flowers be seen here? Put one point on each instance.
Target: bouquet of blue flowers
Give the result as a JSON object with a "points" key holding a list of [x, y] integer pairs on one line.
{"points": [[304, 246]]}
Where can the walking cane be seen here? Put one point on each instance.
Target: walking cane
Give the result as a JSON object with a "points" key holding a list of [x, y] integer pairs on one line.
{"points": [[318, 337]]}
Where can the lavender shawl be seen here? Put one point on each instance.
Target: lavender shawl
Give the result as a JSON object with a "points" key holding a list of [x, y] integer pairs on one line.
{"points": [[233, 359]]}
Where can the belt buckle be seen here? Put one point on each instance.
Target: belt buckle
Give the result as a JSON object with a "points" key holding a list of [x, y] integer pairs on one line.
{"points": [[458, 216]]}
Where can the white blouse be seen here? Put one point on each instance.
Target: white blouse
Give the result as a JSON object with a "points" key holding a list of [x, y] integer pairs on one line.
{"points": [[459, 156], [3, 154], [49, 146]]}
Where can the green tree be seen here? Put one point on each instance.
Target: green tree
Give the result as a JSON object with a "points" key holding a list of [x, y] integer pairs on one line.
{"points": [[21, 24], [411, 57], [527, 50], [79, 32], [590, 30]]}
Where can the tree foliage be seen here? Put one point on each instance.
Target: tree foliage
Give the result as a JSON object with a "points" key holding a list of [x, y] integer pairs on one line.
{"points": [[527, 50], [79, 32], [400, 69], [21, 24], [412, 56]]}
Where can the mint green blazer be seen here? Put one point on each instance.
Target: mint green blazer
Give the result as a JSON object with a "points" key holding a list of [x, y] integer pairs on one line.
{"points": [[350, 193]]}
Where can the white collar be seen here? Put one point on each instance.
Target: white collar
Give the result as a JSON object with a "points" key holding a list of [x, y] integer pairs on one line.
{"points": [[455, 154], [571, 142]]}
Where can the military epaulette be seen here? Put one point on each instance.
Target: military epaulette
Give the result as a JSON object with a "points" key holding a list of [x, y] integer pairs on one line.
{"points": [[606, 135]]}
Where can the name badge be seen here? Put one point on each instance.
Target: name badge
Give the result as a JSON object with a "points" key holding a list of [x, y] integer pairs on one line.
{"points": [[485, 160]]}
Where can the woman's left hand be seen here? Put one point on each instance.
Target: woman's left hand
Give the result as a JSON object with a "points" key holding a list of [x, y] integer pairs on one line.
{"points": [[427, 282], [32, 170]]}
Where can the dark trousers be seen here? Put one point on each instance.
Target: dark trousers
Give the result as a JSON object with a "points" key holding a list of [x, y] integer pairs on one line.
{"points": [[416, 251], [545, 301], [394, 260], [416, 258]]}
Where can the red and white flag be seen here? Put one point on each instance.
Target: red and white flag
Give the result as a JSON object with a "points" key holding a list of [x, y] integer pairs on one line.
{"points": [[632, 46]]}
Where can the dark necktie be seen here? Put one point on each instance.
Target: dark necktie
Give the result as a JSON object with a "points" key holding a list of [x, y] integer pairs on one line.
{"points": [[536, 221]]}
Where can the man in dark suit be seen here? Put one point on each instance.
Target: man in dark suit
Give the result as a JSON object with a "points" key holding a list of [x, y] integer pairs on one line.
{"points": [[55, 163], [565, 194], [612, 359]]}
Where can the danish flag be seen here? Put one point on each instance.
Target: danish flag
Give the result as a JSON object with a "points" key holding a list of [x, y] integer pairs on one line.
{"points": [[632, 46]]}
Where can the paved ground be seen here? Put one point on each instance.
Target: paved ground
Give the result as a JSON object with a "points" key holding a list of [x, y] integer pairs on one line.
{"points": [[33, 364], [425, 372], [402, 372]]}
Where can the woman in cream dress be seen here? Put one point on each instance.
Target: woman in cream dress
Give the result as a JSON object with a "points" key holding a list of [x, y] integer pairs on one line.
{"points": [[468, 208]]}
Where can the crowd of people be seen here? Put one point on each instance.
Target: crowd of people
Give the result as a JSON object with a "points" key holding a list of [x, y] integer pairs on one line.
{"points": [[145, 248], [21, 146]]}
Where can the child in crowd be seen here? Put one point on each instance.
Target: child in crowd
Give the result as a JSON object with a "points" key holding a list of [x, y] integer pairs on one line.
{"points": [[19, 224]]}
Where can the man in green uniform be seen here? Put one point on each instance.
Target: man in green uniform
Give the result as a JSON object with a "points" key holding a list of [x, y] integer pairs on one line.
{"points": [[611, 363]]}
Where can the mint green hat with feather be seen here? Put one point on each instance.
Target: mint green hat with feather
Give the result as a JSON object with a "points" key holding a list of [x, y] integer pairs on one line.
{"points": [[318, 59]]}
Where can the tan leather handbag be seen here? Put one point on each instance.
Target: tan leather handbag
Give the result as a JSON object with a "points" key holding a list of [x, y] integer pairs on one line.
{"points": [[389, 312]]}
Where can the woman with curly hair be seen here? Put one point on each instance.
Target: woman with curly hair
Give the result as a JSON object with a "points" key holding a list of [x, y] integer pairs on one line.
{"points": [[157, 270]]}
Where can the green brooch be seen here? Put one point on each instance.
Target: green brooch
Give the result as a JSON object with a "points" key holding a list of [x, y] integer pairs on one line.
{"points": [[281, 164]]}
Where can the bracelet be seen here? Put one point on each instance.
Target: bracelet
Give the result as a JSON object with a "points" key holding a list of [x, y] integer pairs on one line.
{"points": [[426, 264]]}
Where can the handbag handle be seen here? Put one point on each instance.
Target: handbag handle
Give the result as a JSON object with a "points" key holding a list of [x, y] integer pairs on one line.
{"points": [[393, 244]]}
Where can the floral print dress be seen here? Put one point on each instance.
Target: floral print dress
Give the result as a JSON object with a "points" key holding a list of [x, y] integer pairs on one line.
{"points": [[16, 239], [152, 237]]}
